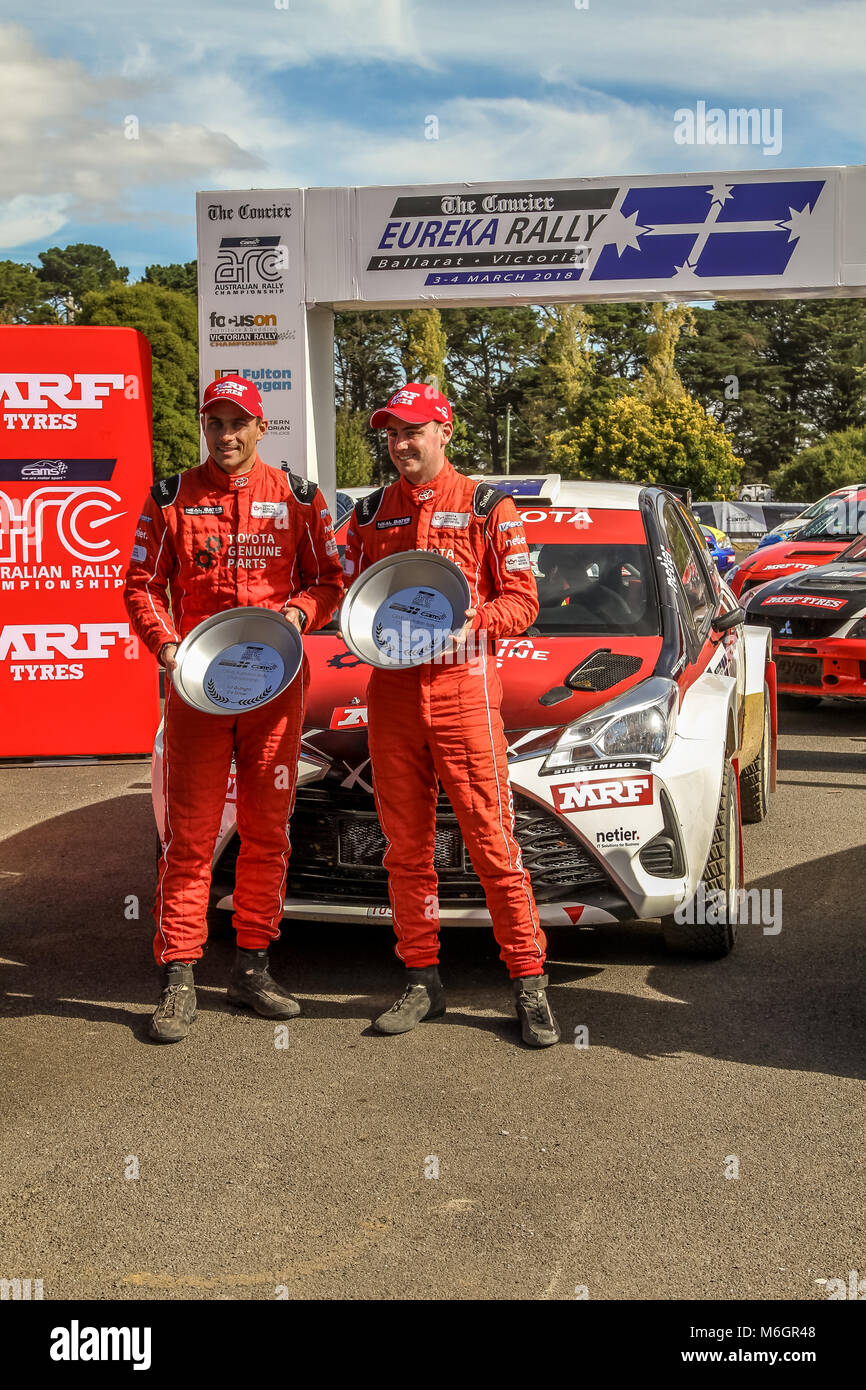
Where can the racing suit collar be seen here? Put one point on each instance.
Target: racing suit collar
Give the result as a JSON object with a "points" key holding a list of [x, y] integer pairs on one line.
{"points": [[224, 482], [432, 491]]}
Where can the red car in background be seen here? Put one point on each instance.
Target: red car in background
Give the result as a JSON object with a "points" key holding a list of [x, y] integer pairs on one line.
{"points": [[817, 544]]}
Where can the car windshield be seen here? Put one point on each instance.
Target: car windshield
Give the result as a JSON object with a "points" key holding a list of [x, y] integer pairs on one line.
{"points": [[838, 523], [590, 589], [856, 552]]}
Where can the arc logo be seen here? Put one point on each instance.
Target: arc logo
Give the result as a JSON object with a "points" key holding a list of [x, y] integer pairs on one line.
{"points": [[22, 523], [246, 261], [594, 796]]}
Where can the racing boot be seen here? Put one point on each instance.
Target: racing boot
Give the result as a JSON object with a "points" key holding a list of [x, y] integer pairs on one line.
{"points": [[537, 1023], [176, 1009], [252, 986], [423, 998]]}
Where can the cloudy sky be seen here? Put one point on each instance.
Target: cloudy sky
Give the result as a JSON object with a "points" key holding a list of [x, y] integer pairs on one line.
{"points": [[286, 93]]}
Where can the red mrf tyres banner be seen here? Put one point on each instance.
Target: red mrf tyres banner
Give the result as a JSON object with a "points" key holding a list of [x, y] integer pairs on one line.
{"points": [[75, 466]]}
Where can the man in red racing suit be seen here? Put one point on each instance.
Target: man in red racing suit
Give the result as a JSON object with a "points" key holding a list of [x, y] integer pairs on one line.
{"points": [[441, 721], [230, 533]]}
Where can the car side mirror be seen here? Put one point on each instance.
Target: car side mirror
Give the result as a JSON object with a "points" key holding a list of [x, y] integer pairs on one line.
{"points": [[722, 621]]}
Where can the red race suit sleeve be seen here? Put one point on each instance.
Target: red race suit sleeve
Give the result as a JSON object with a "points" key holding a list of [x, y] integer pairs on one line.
{"points": [[319, 575], [514, 607], [145, 591]]}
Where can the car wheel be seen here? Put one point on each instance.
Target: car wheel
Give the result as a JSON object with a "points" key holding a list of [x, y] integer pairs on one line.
{"points": [[755, 779], [720, 883]]}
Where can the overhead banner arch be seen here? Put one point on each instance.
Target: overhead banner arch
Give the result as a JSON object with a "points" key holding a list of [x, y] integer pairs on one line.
{"points": [[274, 265]]}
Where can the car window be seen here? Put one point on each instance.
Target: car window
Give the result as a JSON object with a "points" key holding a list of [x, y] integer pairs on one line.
{"points": [[699, 596], [594, 589]]}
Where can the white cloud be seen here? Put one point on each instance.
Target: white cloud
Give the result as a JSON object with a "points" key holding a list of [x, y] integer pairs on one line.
{"points": [[64, 149], [24, 219]]}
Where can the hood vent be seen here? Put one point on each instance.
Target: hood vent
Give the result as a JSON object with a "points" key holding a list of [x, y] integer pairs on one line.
{"points": [[603, 670]]}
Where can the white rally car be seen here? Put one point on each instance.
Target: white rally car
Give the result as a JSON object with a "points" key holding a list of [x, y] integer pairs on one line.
{"points": [[640, 713]]}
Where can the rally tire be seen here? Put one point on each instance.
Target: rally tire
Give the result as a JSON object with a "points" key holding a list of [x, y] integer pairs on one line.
{"points": [[755, 779], [714, 939]]}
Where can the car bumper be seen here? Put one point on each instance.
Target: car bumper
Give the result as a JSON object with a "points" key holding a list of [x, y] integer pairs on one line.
{"points": [[834, 667]]}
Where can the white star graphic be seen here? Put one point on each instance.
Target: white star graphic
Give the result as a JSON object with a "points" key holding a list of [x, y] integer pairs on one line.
{"points": [[721, 192], [685, 272], [796, 222], [620, 231]]}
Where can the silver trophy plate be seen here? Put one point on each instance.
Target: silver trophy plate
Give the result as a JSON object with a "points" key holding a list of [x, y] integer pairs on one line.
{"points": [[403, 610], [237, 661]]}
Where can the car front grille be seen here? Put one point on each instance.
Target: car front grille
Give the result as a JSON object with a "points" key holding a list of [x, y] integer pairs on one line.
{"points": [[338, 846], [811, 628]]}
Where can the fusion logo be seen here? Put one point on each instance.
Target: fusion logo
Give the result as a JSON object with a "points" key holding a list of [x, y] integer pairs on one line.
{"points": [[250, 264], [243, 330], [77, 1343]]}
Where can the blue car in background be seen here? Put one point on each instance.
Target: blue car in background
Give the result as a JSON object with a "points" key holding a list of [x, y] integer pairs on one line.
{"points": [[719, 547]]}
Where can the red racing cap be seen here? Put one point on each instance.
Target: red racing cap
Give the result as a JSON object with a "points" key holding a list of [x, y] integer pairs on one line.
{"points": [[237, 390], [416, 403]]}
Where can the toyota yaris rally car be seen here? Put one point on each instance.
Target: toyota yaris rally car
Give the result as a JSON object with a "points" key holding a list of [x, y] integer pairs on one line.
{"points": [[818, 620], [821, 541], [636, 708]]}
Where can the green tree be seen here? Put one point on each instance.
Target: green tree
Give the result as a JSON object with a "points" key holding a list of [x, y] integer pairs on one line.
{"points": [[630, 439], [423, 347], [355, 460], [22, 295], [492, 356], [174, 277], [167, 318], [69, 274], [660, 380], [838, 460]]}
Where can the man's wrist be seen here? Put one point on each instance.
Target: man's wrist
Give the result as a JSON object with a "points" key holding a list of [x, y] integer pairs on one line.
{"points": [[302, 617]]}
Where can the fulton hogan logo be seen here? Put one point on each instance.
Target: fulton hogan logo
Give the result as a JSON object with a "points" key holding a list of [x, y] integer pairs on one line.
{"points": [[77, 1343]]}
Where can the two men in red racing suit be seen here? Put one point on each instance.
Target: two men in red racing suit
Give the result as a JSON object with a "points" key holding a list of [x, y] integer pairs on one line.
{"points": [[441, 721], [230, 533]]}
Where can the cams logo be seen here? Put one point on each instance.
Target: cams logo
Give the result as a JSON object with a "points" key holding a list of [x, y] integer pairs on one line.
{"points": [[52, 402], [252, 264], [56, 470], [594, 796]]}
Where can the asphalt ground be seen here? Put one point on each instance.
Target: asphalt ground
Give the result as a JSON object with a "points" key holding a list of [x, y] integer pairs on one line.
{"points": [[227, 1167]]}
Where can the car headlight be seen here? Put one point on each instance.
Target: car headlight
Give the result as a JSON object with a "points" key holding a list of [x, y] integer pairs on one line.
{"points": [[859, 628], [638, 724]]}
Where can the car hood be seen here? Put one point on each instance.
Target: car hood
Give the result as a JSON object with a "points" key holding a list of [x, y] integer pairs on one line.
{"points": [[831, 588], [789, 556], [531, 669]]}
